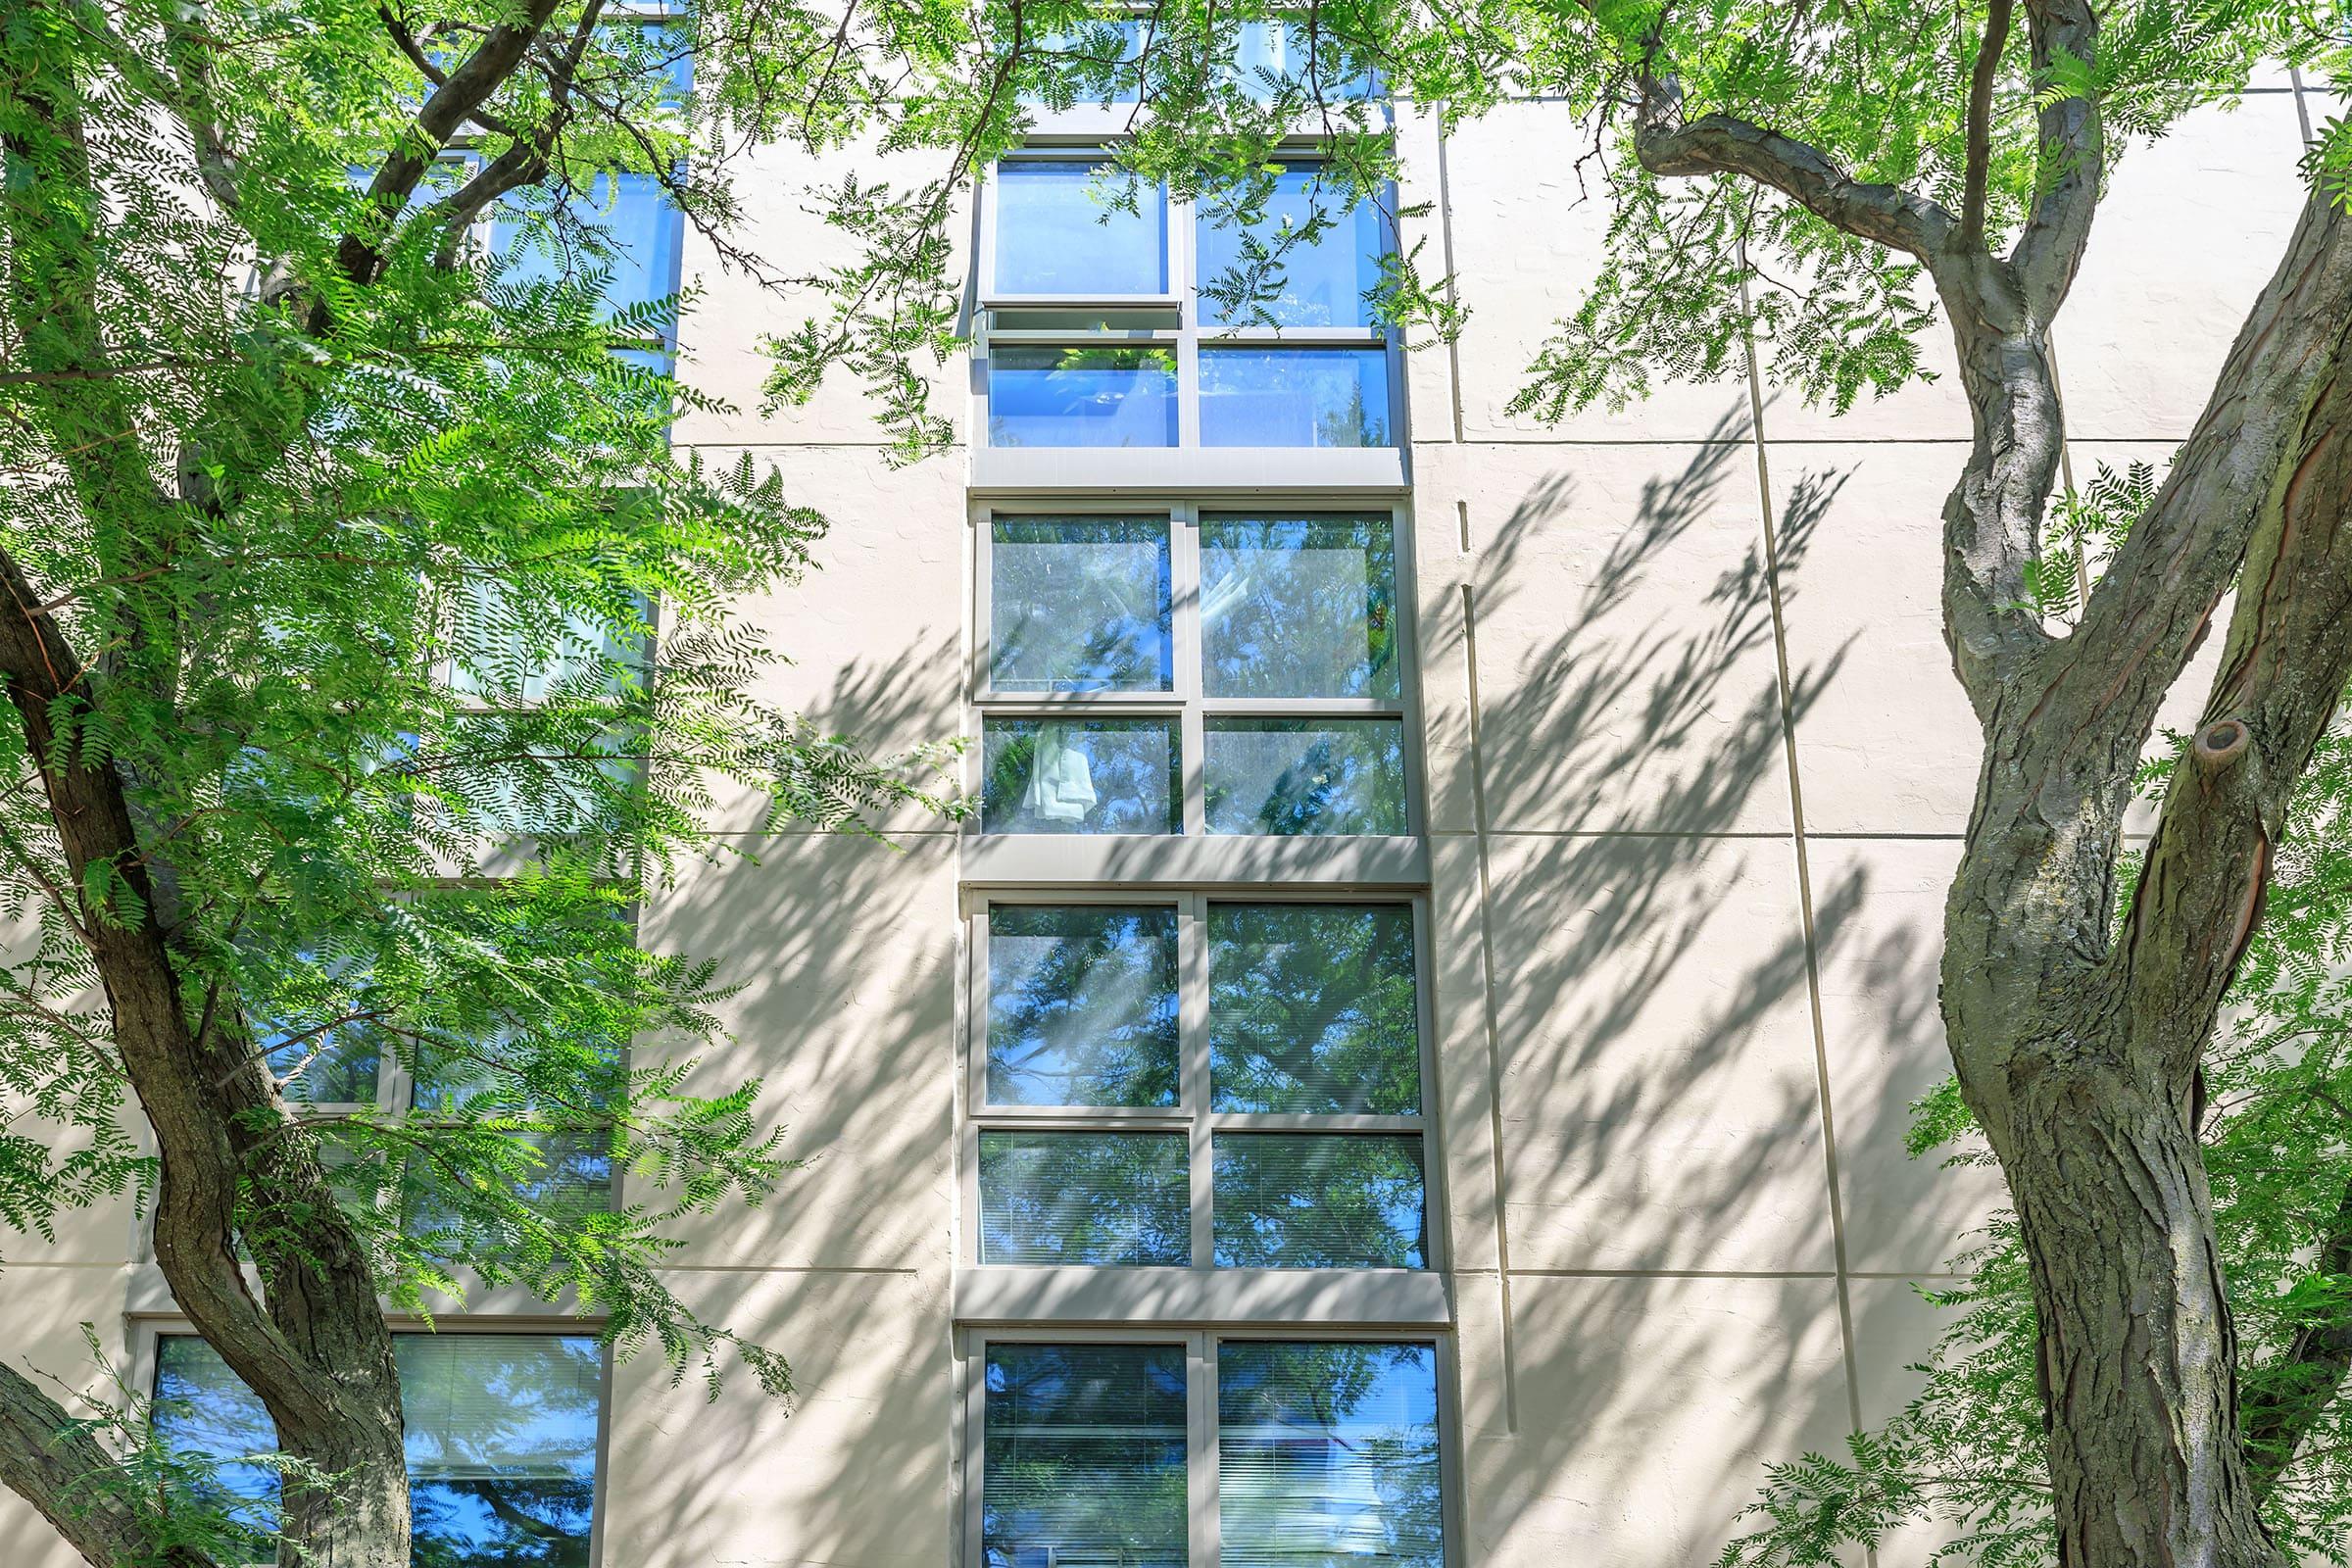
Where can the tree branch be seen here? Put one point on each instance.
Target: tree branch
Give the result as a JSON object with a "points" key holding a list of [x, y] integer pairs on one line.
{"points": [[2070, 158], [52, 1462], [2283, 673], [1978, 170], [1723, 144]]}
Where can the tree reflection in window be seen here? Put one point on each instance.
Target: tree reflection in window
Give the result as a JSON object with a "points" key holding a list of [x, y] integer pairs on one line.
{"points": [[1084, 1457], [1080, 1006], [501, 1434], [1327, 1454], [1311, 1009]]}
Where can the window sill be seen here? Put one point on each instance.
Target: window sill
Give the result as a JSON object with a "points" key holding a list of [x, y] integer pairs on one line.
{"points": [[1192, 470], [1289, 1297], [1031, 859]]}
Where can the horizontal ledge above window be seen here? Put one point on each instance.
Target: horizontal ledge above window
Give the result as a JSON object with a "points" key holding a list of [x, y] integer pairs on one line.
{"points": [[1021, 859], [1168, 1119], [1091, 127], [1014, 705], [1065, 337], [146, 1294], [1290, 1297], [1244, 336], [1195, 472], [1082, 301]]}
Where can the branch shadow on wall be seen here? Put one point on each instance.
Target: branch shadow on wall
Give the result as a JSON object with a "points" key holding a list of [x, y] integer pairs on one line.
{"points": [[1672, 1316]]}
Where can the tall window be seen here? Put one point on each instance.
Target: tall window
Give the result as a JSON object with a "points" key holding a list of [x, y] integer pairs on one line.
{"points": [[1192, 672], [1115, 317], [1200, 1082], [502, 1440], [1296, 1452]]}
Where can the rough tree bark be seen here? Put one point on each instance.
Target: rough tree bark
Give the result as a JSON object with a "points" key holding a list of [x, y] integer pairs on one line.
{"points": [[2079, 1051]]}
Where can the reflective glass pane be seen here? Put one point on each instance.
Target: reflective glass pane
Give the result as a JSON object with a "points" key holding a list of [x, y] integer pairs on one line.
{"points": [[1085, 1197], [1327, 1454], [1304, 775], [1081, 396], [1299, 606], [1080, 1006], [1083, 1452], [1308, 260], [562, 1177], [636, 238], [1079, 775], [501, 1437], [1311, 1009], [1079, 604], [1252, 397], [500, 652], [1087, 61], [1319, 1201], [326, 1071], [1270, 55], [502, 1447], [1063, 230], [201, 1407]]}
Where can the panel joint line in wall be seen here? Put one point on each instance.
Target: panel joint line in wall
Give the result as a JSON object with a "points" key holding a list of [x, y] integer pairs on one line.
{"points": [[1453, 344], [1485, 965], [1804, 874]]}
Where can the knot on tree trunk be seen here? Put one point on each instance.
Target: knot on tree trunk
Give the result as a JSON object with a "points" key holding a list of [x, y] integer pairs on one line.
{"points": [[2221, 743]]}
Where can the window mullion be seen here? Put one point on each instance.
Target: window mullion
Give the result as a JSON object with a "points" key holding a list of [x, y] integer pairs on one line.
{"points": [[1207, 1542], [1191, 1025]]}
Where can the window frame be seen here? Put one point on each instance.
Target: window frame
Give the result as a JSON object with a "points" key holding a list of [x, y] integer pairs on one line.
{"points": [[1191, 1116], [1199, 1345], [1185, 700], [146, 1335], [997, 315]]}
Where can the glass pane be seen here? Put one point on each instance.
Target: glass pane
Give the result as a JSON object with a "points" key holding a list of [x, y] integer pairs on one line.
{"points": [[1079, 605], [570, 1179], [1294, 397], [1304, 775], [502, 1447], [1092, 55], [326, 1071], [501, 1439], [1327, 1454], [1269, 273], [1085, 1197], [1080, 1006], [1270, 54], [496, 654], [1079, 775], [1319, 1201], [1084, 1457], [637, 233], [201, 1407], [1081, 396], [1311, 1009], [1063, 230], [1299, 606]]}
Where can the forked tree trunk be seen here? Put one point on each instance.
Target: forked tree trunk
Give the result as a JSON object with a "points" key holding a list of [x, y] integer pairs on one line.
{"points": [[2079, 1047]]}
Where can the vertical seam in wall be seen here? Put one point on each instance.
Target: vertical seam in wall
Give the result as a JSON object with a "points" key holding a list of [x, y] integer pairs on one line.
{"points": [[1804, 871], [2294, 74], [1486, 965], [1453, 345]]}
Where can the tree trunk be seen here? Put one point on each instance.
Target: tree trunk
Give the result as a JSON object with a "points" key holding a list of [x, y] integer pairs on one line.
{"points": [[2077, 1047]]}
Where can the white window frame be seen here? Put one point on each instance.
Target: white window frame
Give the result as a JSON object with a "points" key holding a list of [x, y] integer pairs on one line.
{"points": [[1005, 1291], [1183, 701], [1199, 1345], [998, 322]]}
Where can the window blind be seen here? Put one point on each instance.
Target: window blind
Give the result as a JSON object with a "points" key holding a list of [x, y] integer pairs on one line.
{"points": [[1083, 1452], [1327, 1454]]}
